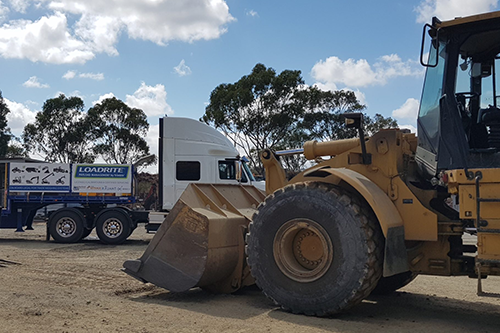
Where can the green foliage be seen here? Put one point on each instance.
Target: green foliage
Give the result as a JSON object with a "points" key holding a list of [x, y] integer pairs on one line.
{"points": [[5, 134], [14, 150], [64, 133], [60, 132], [119, 131], [259, 110], [278, 111]]}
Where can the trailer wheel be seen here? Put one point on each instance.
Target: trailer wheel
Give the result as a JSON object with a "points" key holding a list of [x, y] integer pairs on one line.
{"points": [[66, 226], [315, 248], [113, 227], [387, 285]]}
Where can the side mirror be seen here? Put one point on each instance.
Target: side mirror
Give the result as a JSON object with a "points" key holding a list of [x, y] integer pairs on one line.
{"points": [[355, 120], [434, 34]]}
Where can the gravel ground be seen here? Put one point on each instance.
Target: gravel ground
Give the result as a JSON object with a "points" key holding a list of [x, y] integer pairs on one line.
{"points": [[50, 287]]}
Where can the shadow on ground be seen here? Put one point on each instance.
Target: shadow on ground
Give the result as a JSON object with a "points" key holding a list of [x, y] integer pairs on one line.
{"points": [[400, 311]]}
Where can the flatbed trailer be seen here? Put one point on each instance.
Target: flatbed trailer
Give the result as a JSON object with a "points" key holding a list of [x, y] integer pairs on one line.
{"points": [[81, 212]]}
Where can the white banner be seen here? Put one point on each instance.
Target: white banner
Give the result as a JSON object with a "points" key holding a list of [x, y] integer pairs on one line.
{"points": [[102, 178], [39, 177]]}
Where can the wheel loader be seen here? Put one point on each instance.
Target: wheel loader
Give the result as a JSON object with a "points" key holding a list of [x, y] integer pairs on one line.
{"points": [[373, 213]]}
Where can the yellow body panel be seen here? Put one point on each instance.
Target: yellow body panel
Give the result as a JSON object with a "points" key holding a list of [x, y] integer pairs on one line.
{"points": [[488, 235], [488, 246], [378, 182]]}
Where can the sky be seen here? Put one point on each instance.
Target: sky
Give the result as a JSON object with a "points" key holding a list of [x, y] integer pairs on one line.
{"points": [[166, 56]]}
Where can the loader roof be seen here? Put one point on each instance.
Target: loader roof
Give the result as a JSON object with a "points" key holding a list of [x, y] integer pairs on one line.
{"points": [[467, 19]]}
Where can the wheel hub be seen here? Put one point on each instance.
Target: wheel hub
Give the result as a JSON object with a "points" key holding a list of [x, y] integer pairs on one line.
{"points": [[112, 227], [66, 227], [308, 249], [303, 250]]}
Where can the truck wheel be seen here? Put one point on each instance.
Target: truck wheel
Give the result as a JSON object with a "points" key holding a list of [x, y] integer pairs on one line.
{"points": [[66, 226], [315, 248], [113, 227], [387, 285]]}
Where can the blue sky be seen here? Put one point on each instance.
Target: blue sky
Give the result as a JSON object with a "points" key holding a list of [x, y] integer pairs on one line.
{"points": [[166, 56]]}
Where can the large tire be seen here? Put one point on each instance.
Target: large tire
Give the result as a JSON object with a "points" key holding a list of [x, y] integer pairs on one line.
{"points": [[315, 248], [113, 226], [66, 225], [387, 285]]}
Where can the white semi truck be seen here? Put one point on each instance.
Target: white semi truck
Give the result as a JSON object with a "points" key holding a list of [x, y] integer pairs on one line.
{"points": [[193, 152], [94, 196]]}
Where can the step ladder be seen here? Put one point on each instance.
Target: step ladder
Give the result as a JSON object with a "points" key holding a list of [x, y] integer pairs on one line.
{"points": [[480, 228]]}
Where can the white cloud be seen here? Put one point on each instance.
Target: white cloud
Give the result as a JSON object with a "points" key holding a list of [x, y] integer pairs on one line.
{"points": [[252, 13], [408, 111], [103, 97], [3, 12], [19, 5], [353, 73], [92, 76], [47, 40], [359, 73], [151, 99], [449, 9], [69, 75], [33, 82], [19, 116], [75, 93], [98, 25], [326, 86], [182, 69], [360, 96]]}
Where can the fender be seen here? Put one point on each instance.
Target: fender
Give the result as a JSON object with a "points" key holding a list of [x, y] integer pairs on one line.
{"points": [[391, 223]]}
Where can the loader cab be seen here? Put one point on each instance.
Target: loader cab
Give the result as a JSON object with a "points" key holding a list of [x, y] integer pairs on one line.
{"points": [[459, 117]]}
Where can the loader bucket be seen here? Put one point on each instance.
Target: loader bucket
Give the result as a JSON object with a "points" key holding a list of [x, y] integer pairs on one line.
{"points": [[201, 242]]}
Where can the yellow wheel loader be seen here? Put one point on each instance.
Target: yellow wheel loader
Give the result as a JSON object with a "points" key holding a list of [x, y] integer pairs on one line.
{"points": [[373, 214]]}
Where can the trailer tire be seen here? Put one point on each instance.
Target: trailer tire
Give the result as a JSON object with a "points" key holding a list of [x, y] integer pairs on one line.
{"points": [[113, 226], [315, 248], [390, 284], [66, 225]]}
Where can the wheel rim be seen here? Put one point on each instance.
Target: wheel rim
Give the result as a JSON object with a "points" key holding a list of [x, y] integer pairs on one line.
{"points": [[303, 250], [66, 227], [112, 227]]}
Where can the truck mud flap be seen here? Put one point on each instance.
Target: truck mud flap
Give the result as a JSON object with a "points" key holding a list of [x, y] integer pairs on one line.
{"points": [[201, 241]]}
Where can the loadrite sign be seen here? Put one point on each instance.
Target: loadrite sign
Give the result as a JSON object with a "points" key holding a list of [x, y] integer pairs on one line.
{"points": [[102, 178], [92, 171]]}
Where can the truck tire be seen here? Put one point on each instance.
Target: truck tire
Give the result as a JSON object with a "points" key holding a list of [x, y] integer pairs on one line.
{"points": [[315, 248], [113, 226], [387, 285], [66, 225]]}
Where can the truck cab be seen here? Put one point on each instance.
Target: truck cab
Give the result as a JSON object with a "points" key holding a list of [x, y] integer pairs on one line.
{"points": [[193, 152]]}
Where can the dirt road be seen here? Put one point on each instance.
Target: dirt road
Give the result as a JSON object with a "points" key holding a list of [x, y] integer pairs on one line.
{"points": [[80, 288]]}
